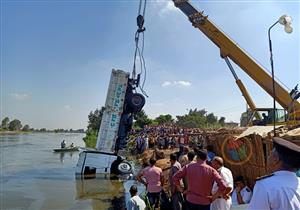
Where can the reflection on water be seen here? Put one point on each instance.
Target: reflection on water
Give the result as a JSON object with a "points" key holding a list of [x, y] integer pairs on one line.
{"points": [[32, 176], [63, 154], [105, 191]]}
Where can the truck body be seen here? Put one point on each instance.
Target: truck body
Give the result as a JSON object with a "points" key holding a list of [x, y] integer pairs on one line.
{"points": [[110, 122], [101, 160]]}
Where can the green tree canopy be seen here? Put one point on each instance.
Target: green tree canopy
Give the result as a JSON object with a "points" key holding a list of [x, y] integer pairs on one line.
{"points": [[141, 119], [15, 125], [199, 119], [5, 123], [95, 119], [222, 121], [162, 119], [26, 128], [195, 118], [93, 127], [211, 118]]}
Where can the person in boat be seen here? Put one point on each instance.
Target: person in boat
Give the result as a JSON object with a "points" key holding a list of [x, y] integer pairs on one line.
{"points": [[72, 145], [63, 144]]}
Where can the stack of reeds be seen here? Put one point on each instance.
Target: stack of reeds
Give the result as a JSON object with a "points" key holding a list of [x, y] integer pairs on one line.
{"points": [[254, 149]]}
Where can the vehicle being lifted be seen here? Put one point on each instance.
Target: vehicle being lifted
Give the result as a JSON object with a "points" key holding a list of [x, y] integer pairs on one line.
{"points": [[121, 103]]}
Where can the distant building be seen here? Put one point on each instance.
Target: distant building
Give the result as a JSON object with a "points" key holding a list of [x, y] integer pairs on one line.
{"points": [[231, 124]]}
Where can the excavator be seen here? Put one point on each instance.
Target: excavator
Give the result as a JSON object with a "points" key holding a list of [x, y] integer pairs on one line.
{"points": [[229, 50]]}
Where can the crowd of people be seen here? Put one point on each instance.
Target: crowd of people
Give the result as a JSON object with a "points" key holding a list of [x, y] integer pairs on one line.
{"points": [[165, 137], [186, 189], [199, 180]]}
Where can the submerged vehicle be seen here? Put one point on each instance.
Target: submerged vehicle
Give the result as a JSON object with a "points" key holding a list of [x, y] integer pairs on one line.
{"points": [[121, 103]]}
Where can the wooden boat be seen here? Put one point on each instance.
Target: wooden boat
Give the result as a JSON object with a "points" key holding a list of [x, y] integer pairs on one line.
{"points": [[67, 149]]}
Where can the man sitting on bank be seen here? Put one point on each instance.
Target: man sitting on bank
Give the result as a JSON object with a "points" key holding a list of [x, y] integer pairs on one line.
{"points": [[241, 194]]}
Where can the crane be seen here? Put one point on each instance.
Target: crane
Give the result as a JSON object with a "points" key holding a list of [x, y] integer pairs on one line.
{"points": [[230, 50]]}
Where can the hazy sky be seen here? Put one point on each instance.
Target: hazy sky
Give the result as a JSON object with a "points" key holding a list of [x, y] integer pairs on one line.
{"points": [[57, 56]]}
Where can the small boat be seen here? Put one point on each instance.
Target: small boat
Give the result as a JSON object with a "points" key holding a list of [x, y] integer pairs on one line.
{"points": [[67, 149]]}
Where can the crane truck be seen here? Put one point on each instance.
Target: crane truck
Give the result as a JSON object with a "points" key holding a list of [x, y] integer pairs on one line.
{"points": [[230, 50]]}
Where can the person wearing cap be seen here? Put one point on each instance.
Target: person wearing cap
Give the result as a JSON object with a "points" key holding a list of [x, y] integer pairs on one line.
{"points": [[217, 201], [242, 193], [135, 202], [280, 190], [200, 179]]}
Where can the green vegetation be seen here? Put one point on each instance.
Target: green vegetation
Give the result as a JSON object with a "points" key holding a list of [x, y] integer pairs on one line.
{"points": [[93, 127], [4, 124], [141, 119], [15, 126], [91, 138], [26, 128], [200, 119], [163, 119]]}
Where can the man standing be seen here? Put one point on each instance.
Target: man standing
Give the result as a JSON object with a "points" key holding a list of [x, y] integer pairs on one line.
{"points": [[135, 202], [219, 202], [280, 190], [200, 178], [176, 196], [242, 193], [154, 181]]}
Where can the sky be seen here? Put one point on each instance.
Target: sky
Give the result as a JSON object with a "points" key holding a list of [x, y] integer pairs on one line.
{"points": [[57, 57]]}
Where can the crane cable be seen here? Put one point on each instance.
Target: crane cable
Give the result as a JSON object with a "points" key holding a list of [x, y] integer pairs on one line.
{"points": [[140, 51]]}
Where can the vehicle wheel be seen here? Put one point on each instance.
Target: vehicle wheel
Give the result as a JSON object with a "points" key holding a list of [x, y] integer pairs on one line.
{"points": [[125, 167], [136, 102]]}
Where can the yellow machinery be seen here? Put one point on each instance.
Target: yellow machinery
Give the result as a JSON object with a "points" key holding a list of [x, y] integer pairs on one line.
{"points": [[229, 49]]}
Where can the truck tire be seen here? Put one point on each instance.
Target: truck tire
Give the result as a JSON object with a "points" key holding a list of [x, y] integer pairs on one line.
{"points": [[121, 167], [125, 167], [136, 102]]}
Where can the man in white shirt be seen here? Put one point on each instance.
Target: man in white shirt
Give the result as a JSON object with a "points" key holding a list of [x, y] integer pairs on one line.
{"points": [[280, 190], [217, 201], [241, 194], [135, 202]]}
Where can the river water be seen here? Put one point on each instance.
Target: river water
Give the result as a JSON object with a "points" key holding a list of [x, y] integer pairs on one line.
{"points": [[32, 176]]}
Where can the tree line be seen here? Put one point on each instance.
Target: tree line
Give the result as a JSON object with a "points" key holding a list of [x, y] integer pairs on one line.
{"points": [[193, 119], [16, 125]]}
